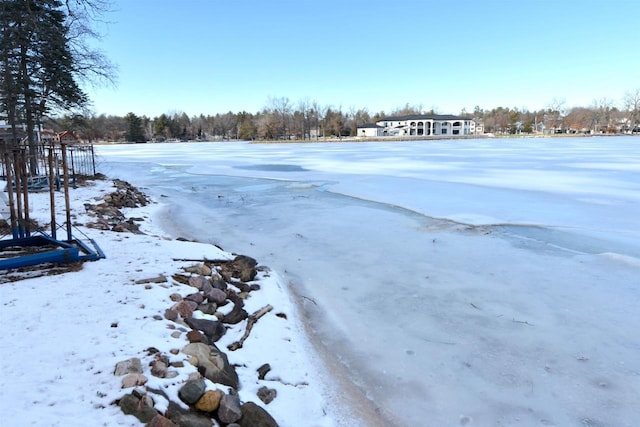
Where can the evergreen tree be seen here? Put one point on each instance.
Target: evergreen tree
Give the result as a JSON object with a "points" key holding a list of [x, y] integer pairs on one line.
{"points": [[134, 133], [37, 64]]}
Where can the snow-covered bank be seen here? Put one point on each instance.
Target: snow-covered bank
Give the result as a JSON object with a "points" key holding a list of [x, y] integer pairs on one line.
{"points": [[62, 335]]}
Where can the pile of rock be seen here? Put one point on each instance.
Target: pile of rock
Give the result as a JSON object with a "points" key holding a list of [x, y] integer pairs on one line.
{"points": [[108, 214], [215, 284]]}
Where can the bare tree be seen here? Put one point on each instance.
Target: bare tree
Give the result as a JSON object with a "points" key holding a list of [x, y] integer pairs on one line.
{"points": [[632, 106]]}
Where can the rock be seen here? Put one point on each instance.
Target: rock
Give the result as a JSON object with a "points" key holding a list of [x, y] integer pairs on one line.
{"points": [[192, 391], [238, 314], [210, 401], [160, 421], [159, 368], [208, 308], [219, 283], [212, 364], [243, 263], [197, 297], [196, 282], [132, 405], [206, 286], [201, 269], [229, 410], [216, 295], [267, 394], [175, 297], [185, 418], [133, 380], [171, 315], [129, 366], [263, 371], [212, 329], [184, 309], [196, 336], [255, 416]]}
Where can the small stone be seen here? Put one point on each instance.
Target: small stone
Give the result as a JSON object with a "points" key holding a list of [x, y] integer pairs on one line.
{"points": [[174, 351], [210, 401], [213, 330], [176, 334], [129, 366], [159, 369], [133, 380], [237, 315], [175, 297], [229, 410], [196, 282], [197, 297], [191, 391], [208, 308], [267, 394], [184, 309], [195, 336], [171, 315], [216, 295], [263, 371], [157, 317], [132, 405], [219, 283]]}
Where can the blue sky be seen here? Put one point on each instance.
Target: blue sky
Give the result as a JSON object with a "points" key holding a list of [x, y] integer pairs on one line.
{"points": [[214, 56]]}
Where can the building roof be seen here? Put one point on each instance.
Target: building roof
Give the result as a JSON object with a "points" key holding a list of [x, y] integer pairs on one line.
{"points": [[422, 117]]}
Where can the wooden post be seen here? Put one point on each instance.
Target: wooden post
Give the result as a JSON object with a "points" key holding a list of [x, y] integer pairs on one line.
{"points": [[52, 198], [12, 209], [93, 160], [66, 190]]}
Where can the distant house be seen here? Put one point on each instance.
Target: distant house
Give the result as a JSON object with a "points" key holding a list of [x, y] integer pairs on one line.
{"points": [[67, 137], [420, 125], [370, 130], [47, 136]]}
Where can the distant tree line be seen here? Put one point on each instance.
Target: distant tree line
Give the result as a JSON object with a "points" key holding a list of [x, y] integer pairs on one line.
{"points": [[282, 119]]}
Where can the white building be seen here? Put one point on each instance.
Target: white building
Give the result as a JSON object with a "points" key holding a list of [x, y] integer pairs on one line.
{"points": [[419, 125]]}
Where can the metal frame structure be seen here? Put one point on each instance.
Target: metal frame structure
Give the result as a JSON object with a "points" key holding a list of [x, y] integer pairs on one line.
{"points": [[22, 248]]}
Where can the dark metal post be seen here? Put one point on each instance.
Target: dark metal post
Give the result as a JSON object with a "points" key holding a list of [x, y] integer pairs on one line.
{"points": [[66, 190], [52, 198], [17, 175], [25, 192]]}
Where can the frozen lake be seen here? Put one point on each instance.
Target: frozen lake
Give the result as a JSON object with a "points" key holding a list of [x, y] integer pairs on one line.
{"points": [[472, 282]]}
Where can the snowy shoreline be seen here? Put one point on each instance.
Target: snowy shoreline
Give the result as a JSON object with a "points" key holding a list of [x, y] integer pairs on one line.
{"points": [[104, 315]]}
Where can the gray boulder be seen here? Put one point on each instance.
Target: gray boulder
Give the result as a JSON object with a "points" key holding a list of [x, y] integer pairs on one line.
{"points": [[213, 364]]}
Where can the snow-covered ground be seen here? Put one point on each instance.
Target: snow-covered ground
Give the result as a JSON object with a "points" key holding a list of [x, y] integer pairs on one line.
{"points": [[475, 282], [62, 335]]}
